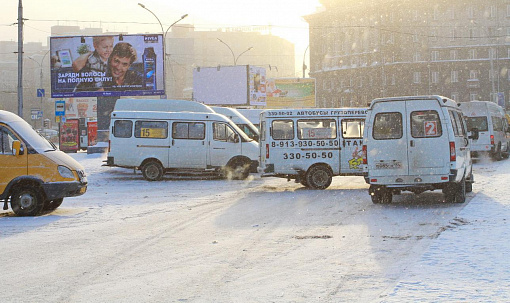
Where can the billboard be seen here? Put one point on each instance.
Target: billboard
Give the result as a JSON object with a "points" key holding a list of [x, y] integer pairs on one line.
{"points": [[81, 108], [257, 85], [290, 93], [107, 66], [222, 85]]}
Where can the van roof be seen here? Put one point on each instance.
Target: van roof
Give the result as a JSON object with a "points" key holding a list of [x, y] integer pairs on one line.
{"points": [[231, 113], [443, 101], [8, 117], [161, 105], [168, 115]]}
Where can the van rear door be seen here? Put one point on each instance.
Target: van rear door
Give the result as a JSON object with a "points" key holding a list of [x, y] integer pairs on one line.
{"points": [[388, 153], [428, 147]]}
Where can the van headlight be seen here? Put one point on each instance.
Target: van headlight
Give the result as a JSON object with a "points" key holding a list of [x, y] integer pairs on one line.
{"points": [[65, 172]]}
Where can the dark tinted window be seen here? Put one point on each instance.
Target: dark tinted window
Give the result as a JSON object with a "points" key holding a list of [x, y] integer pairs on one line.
{"points": [[188, 130], [283, 129], [387, 126], [477, 122], [122, 129]]}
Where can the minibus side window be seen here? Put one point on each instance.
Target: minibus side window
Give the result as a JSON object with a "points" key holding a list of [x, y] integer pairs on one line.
{"points": [[6, 139], [151, 129], [188, 130], [316, 129], [353, 129], [122, 128], [283, 129], [497, 124], [425, 124], [387, 126], [477, 122], [462, 124], [223, 132], [454, 124]]}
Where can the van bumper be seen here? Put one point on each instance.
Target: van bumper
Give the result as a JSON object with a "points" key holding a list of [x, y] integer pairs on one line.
{"points": [[58, 190]]}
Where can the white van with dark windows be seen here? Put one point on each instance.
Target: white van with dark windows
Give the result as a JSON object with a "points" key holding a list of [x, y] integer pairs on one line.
{"points": [[416, 144], [239, 120], [160, 142], [312, 145], [489, 118]]}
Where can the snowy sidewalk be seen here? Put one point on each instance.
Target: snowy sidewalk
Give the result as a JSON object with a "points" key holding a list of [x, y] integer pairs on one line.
{"points": [[467, 261]]}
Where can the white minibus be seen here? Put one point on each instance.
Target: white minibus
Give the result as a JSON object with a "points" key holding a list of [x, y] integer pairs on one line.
{"points": [[240, 120], [159, 142], [489, 119], [415, 144], [312, 145]]}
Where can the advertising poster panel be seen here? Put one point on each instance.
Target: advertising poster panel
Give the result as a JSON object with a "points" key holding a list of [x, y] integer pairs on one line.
{"points": [[81, 108], [290, 93], [69, 136], [106, 66], [92, 133], [257, 85], [222, 85]]}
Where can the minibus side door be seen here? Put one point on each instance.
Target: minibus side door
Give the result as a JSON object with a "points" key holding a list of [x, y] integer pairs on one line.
{"points": [[351, 155], [189, 148], [11, 165]]}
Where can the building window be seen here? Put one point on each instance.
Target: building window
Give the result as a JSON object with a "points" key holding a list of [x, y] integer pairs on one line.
{"points": [[433, 35], [434, 56], [455, 76], [417, 57], [435, 77], [453, 54], [472, 34], [492, 11], [452, 13], [455, 96], [508, 10], [417, 77], [393, 81], [473, 74], [473, 96], [471, 12], [453, 34], [472, 54], [415, 37], [435, 14]]}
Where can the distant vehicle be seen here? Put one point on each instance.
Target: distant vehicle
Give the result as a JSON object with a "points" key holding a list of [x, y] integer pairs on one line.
{"points": [[252, 114], [240, 120], [416, 144], [161, 105], [159, 142], [312, 145], [490, 120], [35, 175]]}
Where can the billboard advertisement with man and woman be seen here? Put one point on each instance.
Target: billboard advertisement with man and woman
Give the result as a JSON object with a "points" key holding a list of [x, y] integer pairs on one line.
{"points": [[107, 65]]}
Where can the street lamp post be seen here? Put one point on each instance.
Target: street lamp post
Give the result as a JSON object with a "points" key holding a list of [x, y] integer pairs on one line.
{"points": [[304, 65], [164, 37], [233, 55]]}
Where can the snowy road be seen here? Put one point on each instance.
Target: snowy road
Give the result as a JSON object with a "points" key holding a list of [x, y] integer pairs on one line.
{"points": [[262, 240]]}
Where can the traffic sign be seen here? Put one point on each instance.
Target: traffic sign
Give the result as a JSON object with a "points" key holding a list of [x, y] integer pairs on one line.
{"points": [[40, 92], [60, 108]]}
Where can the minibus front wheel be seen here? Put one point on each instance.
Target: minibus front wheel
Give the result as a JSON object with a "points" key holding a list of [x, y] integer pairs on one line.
{"points": [[27, 201]]}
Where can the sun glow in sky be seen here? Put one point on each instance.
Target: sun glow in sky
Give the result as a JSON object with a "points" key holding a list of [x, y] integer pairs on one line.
{"points": [[285, 16]]}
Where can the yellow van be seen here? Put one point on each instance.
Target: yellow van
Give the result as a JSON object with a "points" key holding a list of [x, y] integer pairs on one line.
{"points": [[34, 174]]}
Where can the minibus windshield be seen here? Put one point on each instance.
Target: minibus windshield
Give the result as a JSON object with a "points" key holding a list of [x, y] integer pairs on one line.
{"points": [[32, 138]]}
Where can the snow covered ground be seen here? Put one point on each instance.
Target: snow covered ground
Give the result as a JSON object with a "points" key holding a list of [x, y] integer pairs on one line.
{"points": [[261, 240]]}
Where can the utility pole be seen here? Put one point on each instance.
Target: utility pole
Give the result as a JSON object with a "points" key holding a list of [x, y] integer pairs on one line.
{"points": [[20, 59]]}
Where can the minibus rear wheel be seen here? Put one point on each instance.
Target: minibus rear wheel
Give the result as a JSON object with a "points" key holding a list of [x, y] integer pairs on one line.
{"points": [[152, 171], [52, 204], [319, 177], [27, 201]]}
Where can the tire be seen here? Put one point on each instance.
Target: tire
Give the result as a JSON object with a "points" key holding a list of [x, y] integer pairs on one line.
{"points": [[381, 195], [303, 181], [455, 192], [498, 154], [469, 187], [238, 170], [27, 201], [152, 171], [52, 204], [460, 193], [318, 177]]}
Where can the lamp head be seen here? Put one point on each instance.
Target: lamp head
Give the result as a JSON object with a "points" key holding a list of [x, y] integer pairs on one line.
{"points": [[143, 6]]}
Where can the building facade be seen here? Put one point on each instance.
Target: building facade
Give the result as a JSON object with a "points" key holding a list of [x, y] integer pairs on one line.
{"points": [[379, 48]]}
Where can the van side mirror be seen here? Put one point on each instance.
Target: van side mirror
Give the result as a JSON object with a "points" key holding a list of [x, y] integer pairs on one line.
{"points": [[475, 134], [16, 148]]}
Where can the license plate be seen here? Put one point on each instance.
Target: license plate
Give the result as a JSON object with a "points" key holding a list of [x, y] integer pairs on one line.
{"points": [[388, 165]]}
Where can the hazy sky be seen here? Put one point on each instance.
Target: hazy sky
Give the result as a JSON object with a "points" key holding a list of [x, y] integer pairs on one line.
{"points": [[125, 15]]}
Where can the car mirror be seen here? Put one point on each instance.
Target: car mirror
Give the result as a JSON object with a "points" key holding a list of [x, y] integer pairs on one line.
{"points": [[475, 134], [16, 148]]}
